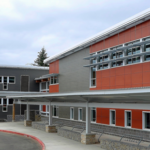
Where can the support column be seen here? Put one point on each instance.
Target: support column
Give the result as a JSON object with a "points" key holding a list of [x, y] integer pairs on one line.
{"points": [[88, 119], [13, 116], [27, 122], [88, 137], [50, 128]]}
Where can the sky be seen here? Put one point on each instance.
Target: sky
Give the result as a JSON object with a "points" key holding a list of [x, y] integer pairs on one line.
{"points": [[26, 26]]}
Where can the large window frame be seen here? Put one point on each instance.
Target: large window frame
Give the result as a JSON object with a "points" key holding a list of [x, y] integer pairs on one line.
{"points": [[80, 114], [126, 118], [93, 77], [112, 119], [143, 120], [71, 113], [132, 60], [93, 114], [54, 80]]}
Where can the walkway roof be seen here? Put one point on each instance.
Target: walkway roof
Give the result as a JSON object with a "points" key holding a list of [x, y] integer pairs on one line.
{"points": [[133, 95]]}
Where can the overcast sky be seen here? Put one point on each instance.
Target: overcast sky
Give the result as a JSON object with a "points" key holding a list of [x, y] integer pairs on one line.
{"points": [[28, 25]]}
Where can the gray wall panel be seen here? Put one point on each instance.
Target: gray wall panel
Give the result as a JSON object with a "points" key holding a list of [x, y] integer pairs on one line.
{"points": [[73, 76], [33, 73]]}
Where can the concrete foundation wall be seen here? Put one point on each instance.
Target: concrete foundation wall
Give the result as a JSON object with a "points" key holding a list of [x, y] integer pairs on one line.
{"points": [[107, 129]]}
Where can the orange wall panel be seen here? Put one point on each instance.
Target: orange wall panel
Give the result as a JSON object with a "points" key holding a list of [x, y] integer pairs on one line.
{"points": [[137, 75], [54, 67], [137, 119], [120, 117], [44, 108], [137, 32], [54, 88]]}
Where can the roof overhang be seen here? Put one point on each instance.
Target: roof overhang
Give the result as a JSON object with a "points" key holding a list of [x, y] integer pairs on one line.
{"points": [[47, 76], [122, 26], [133, 95]]}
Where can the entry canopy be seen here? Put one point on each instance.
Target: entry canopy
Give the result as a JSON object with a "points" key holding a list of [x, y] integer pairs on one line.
{"points": [[132, 95], [47, 76]]}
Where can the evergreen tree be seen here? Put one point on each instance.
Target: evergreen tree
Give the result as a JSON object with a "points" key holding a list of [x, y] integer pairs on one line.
{"points": [[40, 58]]}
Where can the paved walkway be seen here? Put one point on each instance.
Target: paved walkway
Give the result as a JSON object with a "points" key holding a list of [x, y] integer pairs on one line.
{"points": [[51, 140]]}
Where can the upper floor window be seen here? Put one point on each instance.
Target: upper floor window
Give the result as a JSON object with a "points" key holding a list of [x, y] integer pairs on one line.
{"points": [[134, 50], [147, 57], [118, 63], [93, 76], [54, 80], [147, 47], [133, 60], [11, 79], [117, 55], [103, 58], [103, 66]]}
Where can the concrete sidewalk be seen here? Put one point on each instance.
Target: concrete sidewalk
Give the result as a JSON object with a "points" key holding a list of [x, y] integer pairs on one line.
{"points": [[51, 140]]}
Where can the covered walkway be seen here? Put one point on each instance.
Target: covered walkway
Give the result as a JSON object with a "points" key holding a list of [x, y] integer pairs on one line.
{"points": [[51, 140]]}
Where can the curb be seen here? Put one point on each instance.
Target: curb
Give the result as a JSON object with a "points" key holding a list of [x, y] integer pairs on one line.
{"points": [[27, 135]]}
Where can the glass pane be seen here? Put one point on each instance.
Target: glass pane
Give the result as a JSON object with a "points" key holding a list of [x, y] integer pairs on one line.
{"points": [[11, 80], [147, 57], [93, 115], [5, 79], [100, 67], [100, 60], [52, 80], [93, 82], [114, 64], [55, 80], [119, 54], [129, 61], [128, 118], [93, 61], [147, 47], [129, 51], [10, 101], [136, 60], [105, 66], [54, 108], [5, 86], [0, 79], [4, 101], [114, 56], [93, 72], [147, 120], [80, 114], [119, 63], [112, 117], [105, 58]]}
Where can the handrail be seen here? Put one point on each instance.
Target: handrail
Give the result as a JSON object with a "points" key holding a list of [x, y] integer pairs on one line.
{"points": [[77, 126], [134, 137], [99, 131]]}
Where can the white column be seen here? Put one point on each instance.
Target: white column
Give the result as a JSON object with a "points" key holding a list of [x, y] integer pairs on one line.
{"points": [[50, 114], [88, 118], [28, 111]]}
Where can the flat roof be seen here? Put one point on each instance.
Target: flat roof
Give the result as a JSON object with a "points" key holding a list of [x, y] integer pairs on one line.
{"points": [[124, 25], [24, 67]]}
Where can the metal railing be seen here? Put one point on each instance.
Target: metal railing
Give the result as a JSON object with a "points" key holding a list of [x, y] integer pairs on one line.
{"points": [[79, 127], [132, 137]]}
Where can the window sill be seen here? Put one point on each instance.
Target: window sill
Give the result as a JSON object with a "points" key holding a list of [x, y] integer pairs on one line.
{"points": [[92, 86], [54, 84]]}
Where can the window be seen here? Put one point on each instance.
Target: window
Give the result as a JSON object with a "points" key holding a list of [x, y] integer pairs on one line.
{"points": [[112, 117], [10, 101], [43, 85], [118, 63], [55, 111], [104, 66], [147, 57], [71, 113], [80, 114], [4, 101], [5, 79], [54, 80], [103, 58], [128, 118], [0, 79], [117, 55], [134, 50], [133, 60], [93, 114], [146, 120], [147, 47], [5, 86], [4, 108], [11, 79], [93, 76]]}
